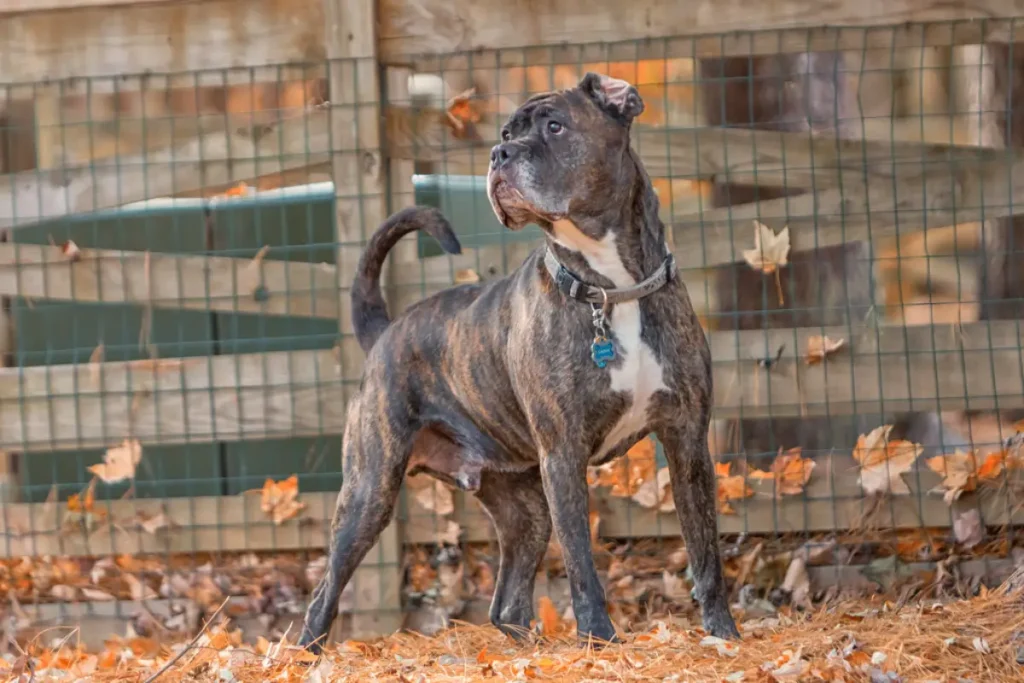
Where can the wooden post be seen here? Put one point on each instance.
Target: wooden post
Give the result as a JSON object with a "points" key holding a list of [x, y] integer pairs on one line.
{"points": [[359, 173], [9, 489]]}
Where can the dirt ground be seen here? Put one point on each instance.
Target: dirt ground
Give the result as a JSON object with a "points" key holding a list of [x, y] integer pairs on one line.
{"points": [[980, 639]]}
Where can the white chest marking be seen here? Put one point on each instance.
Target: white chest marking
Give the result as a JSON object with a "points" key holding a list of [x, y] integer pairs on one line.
{"points": [[640, 373]]}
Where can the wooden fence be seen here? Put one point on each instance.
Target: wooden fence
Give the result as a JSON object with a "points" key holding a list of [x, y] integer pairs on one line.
{"points": [[367, 134]]}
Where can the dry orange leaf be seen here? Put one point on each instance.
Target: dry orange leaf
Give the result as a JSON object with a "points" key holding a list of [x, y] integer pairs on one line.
{"points": [[790, 471], [959, 472], [626, 475], [279, 499], [722, 469], [550, 621], [820, 347], [882, 461], [83, 503], [770, 251], [119, 462], [466, 276], [732, 488]]}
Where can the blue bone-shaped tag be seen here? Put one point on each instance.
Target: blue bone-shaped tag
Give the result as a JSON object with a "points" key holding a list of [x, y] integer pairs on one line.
{"points": [[602, 351]]}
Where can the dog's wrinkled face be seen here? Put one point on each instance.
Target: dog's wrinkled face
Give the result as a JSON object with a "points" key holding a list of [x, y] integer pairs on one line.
{"points": [[564, 153]]}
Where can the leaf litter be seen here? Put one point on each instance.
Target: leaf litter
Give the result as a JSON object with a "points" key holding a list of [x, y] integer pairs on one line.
{"points": [[974, 639]]}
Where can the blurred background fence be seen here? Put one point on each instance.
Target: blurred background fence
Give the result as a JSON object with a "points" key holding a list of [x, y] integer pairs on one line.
{"points": [[187, 187]]}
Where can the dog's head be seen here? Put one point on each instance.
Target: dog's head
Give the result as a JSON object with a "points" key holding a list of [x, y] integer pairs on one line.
{"points": [[564, 155]]}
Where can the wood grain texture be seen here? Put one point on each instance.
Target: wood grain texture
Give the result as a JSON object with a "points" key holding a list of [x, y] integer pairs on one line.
{"points": [[205, 283], [414, 27], [262, 396], [157, 37], [833, 501], [210, 158], [214, 398], [949, 193]]}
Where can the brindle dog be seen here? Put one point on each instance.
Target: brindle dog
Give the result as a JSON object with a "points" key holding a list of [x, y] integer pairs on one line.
{"points": [[511, 388]]}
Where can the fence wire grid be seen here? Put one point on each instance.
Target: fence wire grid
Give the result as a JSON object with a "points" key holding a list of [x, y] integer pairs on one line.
{"points": [[175, 267]]}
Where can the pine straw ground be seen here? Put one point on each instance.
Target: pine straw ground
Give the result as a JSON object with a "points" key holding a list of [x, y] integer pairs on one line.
{"points": [[981, 639]]}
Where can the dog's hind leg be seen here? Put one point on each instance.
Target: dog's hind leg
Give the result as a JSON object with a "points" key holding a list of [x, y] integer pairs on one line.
{"points": [[375, 456], [516, 504], [694, 492]]}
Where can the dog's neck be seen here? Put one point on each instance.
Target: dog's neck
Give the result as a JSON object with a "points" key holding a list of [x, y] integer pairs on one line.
{"points": [[633, 246]]}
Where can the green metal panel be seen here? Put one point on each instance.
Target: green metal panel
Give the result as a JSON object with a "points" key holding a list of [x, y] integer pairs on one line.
{"points": [[52, 332], [296, 227], [463, 200]]}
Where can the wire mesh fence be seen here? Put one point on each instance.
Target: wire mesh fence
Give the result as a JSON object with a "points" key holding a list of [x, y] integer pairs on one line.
{"points": [[175, 278]]}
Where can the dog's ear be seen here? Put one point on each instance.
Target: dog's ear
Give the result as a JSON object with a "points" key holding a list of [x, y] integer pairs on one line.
{"points": [[615, 96]]}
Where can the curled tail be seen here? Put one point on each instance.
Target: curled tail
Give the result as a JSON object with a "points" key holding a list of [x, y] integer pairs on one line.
{"points": [[369, 311]]}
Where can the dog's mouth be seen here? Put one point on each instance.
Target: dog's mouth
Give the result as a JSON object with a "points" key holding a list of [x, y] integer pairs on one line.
{"points": [[510, 205], [507, 202]]}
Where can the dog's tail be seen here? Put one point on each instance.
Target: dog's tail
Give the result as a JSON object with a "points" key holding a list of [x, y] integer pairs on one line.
{"points": [[369, 312]]}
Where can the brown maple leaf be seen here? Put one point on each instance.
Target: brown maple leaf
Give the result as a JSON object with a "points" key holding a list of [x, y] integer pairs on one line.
{"points": [[882, 461]]}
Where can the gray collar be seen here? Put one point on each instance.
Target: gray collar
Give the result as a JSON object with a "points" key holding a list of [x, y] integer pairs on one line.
{"points": [[574, 288]]}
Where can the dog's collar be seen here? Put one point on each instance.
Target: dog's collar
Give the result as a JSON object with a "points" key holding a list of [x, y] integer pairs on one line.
{"points": [[574, 288]]}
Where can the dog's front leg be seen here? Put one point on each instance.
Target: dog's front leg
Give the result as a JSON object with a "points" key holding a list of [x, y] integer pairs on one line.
{"points": [[565, 486], [694, 491]]}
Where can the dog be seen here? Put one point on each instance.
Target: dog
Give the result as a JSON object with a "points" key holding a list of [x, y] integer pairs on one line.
{"points": [[511, 388]]}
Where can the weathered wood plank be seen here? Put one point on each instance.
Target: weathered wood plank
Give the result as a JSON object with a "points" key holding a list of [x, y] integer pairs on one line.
{"points": [[172, 401], [441, 26], [975, 187], [262, 396], [832, 501], [206, 157], [157, 37], [206, 283], [882, 369]]}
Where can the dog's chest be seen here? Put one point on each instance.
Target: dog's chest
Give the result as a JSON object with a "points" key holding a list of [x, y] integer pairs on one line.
{"points": [[640, 373]]}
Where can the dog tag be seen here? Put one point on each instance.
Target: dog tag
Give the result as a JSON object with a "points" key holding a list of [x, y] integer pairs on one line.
{"points": [[602, 351]]}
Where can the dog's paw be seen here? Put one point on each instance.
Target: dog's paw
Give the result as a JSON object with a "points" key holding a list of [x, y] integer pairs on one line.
{"points": [[599, 634], [721, 625]]}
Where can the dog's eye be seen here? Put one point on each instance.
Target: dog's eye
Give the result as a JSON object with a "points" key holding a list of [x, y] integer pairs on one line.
{"points": [[554, 127], [505, 136]]}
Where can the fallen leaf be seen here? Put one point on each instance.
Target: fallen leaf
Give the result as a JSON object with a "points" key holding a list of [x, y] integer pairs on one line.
{"points": [[119, 462], [770, 251], [70, 251], [64, 593], [981, 645], [722, 469], [790, 667], [820, 347], [993, 465], [549, 620], [96, 595], [732, 488], [798, 583], [139, 590], [724, 647], [790, 471], [959, 471], [279, 499], [626, 475], [152, 523], [882, 461], [967, 527], [466, 276]]}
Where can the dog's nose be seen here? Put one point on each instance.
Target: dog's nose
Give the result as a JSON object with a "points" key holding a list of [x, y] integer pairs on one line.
{"points": [[503, 153]]}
